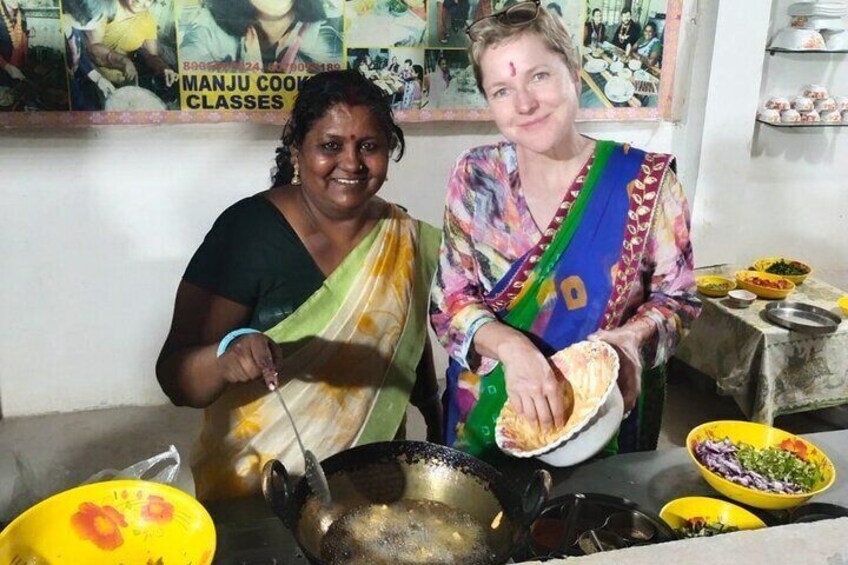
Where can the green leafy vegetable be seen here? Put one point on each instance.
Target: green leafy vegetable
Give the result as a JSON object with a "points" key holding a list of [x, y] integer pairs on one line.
{"points": [[780, 465], [700, 528]]}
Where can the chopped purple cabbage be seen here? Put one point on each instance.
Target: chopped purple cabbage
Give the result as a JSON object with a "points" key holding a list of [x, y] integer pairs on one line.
{"points": [[720, 457]]}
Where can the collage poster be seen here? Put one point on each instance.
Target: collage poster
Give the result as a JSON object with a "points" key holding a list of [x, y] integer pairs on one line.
{"points": [[174, 61]]}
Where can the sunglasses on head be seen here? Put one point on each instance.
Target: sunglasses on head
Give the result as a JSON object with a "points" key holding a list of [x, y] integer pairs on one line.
{"points": [[514, 15]]}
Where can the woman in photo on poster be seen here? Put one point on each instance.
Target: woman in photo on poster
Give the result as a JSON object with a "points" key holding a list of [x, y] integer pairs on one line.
{"points": [[262, 35], [627, 33], [552, 238], [126, 49], [594, 31], [437, 82], [14, 40], [649, 47], [87, 87], [413, 77]]}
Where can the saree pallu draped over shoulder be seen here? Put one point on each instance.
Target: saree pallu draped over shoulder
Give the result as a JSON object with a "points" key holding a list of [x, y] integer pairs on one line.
{"points": [[350, 357], [575, 281]]}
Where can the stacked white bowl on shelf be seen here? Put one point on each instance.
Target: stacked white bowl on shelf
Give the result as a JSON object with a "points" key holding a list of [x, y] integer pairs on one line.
{"points": [[813, 105], [814, 26]]}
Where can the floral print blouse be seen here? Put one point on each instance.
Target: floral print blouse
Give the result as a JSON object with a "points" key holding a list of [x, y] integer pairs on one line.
{"points": [[488, 226]]}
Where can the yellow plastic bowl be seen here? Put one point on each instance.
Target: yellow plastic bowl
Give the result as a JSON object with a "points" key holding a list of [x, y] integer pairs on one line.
{"points": [[766, 262], [114, 522], [714, 285], [757, 435], [677, 512], [743, 278], [843, 304]]}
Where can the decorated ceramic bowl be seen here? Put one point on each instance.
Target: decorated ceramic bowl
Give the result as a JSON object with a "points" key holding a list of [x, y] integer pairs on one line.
{"points": [[122, 521]]}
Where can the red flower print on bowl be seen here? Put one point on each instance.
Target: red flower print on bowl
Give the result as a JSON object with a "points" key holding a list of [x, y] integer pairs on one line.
{"points": [[100, 525], [157, 510]]}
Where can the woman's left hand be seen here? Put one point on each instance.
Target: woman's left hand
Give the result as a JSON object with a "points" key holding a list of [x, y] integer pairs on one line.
{"points": [[627, 344]]}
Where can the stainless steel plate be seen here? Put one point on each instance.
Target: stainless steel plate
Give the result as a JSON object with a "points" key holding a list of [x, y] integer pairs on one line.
{"points": [[802, 317]]}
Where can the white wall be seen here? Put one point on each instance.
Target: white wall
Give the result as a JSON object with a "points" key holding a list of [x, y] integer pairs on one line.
{"points": [[97, 225], [765, 191]]}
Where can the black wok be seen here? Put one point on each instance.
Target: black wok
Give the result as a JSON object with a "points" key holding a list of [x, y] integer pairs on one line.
{"points": [[387, 472]]}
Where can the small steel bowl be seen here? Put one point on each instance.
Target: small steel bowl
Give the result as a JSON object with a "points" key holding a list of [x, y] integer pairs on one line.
{"points": [[632, 526], [594, 541]]}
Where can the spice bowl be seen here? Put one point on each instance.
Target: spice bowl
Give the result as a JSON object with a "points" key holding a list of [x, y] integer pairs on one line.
{"points": [[740, 298]]}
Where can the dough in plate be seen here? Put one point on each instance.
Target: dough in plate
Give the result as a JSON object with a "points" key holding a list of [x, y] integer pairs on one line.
{"points": [[591, 370]]}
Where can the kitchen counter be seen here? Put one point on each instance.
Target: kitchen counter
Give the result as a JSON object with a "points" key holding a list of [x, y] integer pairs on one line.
{"points": [[249, 534]]}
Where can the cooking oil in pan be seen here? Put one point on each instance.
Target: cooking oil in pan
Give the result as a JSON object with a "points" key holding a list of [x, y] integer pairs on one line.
{"points": [[406, 532]]}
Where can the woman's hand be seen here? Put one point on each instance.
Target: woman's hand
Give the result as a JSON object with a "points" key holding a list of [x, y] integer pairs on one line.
{"points": [[130, 72], [106, 87], [252, 51], [14, 72], [533, 388], [251, 357], [627, 342]]}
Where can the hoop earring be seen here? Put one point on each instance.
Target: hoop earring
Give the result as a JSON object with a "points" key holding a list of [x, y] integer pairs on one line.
{"points": [[296, 176]]}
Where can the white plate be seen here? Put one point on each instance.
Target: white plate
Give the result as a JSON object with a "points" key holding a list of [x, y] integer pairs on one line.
{"points": [[595, 66], [642, 75], [616, 67], [134, 98], [619, 90], [591, 439], [625, 73]]}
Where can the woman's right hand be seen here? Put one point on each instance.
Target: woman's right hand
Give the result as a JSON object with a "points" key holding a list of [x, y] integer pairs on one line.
{"points": [[533, 388], [251, 357]]}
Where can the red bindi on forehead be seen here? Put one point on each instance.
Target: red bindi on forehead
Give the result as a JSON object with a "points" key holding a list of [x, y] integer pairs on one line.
{"points": [[511, 69], [352, 137]]}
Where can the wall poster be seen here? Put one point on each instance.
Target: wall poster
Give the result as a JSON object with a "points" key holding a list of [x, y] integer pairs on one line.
{"points": [[77, 62]]}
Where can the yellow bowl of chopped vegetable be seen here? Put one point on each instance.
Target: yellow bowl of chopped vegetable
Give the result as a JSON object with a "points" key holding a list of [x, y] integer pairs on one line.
{"points": [[701, 516], [714, 285], [791, 269], [765, 285], [759, 465], [843, 304]]}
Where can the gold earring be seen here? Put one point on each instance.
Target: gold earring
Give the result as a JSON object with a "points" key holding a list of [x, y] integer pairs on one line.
{"points": [[296, 176]]}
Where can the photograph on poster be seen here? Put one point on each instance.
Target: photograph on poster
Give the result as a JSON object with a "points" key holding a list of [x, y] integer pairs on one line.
{"points": [[32, 70], [260, 35], [398, 71], [449, 81], [385, 22], [621, 52]]}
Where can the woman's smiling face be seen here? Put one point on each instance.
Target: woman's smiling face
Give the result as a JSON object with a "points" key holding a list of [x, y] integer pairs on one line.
{"points": [[532, 93], [343, 160]]}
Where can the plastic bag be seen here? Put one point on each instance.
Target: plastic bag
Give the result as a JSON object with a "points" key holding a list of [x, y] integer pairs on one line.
{"points": [[161, 468]]}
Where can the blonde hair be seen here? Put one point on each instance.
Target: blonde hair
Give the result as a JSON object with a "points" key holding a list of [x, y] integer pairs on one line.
{"points": [[491, 32]]}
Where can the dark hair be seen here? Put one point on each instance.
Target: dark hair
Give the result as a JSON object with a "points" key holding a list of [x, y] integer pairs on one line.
{"points": [[320, 93], [596, 10], [651, 25], [405, 61], [234, 16], [83, 11], [626, 11]]}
